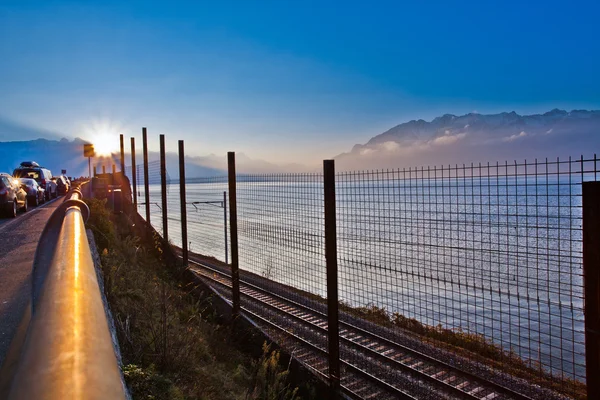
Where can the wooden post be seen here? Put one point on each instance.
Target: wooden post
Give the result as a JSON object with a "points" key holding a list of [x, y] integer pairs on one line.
{"points": [[235, 268], [591, 281], [184, 243], [122, 154], [163, 188], [133, 174], [146, 184], [332, 278]]}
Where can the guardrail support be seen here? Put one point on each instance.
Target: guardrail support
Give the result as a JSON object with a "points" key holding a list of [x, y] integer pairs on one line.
{"points": [[591, 281], [163, 188], [184, 237], [146, 184], [332, 279], [133, 175], [235, 267]]}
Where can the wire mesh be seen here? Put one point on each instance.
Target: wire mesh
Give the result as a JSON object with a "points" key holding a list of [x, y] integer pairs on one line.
{"points": [[155, 198], [481, 258], [484, 260], [207, 217], [281, 232]]}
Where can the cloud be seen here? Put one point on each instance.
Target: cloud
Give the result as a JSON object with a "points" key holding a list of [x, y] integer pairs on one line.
{"points": [[447, 139], [391, 146], [514, 137], [410, 147]]}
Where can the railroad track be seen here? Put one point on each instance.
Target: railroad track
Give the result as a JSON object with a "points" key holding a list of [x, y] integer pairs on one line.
{"points": [[373, 367]]}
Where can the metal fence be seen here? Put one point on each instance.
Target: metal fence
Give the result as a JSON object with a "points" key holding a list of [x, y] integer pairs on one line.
{"points": [[483, 260], [154, 193]]}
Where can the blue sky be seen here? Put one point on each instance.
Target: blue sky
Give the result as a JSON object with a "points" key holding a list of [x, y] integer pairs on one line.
{"points": [[288, 81]]}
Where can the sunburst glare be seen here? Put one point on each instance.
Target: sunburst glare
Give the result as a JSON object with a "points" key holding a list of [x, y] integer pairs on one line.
{"points": [[104, 135]]}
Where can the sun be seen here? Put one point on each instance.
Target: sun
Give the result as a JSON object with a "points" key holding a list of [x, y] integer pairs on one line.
{"points": [[104, 135], [104, 143]]}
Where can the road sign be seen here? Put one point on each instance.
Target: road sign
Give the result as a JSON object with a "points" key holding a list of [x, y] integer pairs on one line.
{"points": [[88, 150], [63, 171]]}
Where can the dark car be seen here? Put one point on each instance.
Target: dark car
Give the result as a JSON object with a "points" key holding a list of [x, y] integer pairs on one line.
{"points": [[12, 196], [35, 193], [43, 176], [62, 187]]}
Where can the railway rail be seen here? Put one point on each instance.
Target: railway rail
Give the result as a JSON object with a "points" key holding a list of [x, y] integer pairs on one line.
{"points": [[373, 367]]}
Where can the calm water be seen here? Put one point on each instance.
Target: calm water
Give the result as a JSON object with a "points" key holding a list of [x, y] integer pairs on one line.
{"points": [[498, 258]]}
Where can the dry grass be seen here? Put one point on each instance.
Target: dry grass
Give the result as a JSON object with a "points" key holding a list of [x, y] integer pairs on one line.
{"points": [[472, 346], [171, 343]]}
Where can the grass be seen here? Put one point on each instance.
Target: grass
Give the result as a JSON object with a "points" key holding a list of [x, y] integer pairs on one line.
{"points": [[172, 344]]}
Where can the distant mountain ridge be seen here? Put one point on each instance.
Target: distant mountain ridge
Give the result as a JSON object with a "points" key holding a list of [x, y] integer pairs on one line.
{"points": [[68, 154], [57, 155], [477, 137]]}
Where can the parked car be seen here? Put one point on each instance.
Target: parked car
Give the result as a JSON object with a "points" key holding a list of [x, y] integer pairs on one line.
{"points": [[43, 176], [12, 196], [35, 193], [61, 184]]}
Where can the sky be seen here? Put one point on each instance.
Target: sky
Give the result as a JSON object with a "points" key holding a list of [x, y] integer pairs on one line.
{"points": [[287, 81]]}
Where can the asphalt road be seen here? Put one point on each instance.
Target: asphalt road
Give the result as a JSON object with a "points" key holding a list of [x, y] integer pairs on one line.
{"points": [[18, 241]]}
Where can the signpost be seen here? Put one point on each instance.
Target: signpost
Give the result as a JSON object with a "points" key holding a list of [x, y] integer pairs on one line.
{"points": [[88, 151]]}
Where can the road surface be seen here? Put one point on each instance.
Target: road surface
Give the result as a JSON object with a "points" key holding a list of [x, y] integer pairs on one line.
{"points": [[18, 241]]}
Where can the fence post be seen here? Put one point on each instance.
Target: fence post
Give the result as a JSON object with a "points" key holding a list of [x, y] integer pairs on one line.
{"points": [[122, 154], [114, 169], [225, 226], [332, 279], [146, 184], [591, 281], [94, 170], [103, 169], [133, 174], [184, 242], [235, 269], [163, 187]]}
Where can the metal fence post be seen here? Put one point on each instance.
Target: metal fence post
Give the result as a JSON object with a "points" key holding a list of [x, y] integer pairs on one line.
{"points": [[146, 184], [235, 270], [332, 279], [133, 174], [591, 281], [163, 187], [225, 226], [184, 243], [122, 153]]}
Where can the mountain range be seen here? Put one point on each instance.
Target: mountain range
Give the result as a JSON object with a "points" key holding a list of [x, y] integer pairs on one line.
{"points": [[448, 139], [474, 137]]}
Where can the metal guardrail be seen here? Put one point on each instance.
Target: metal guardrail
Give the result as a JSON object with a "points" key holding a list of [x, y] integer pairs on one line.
{"points": [[67, 352]]}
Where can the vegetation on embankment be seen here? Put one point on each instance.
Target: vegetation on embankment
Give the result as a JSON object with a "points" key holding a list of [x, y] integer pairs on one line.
{"points": [[172, 344], [472, 346]]}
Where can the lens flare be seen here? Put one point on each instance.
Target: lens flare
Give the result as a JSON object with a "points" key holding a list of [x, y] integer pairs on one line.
{"points": [[104, 144], [104, 135]]}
